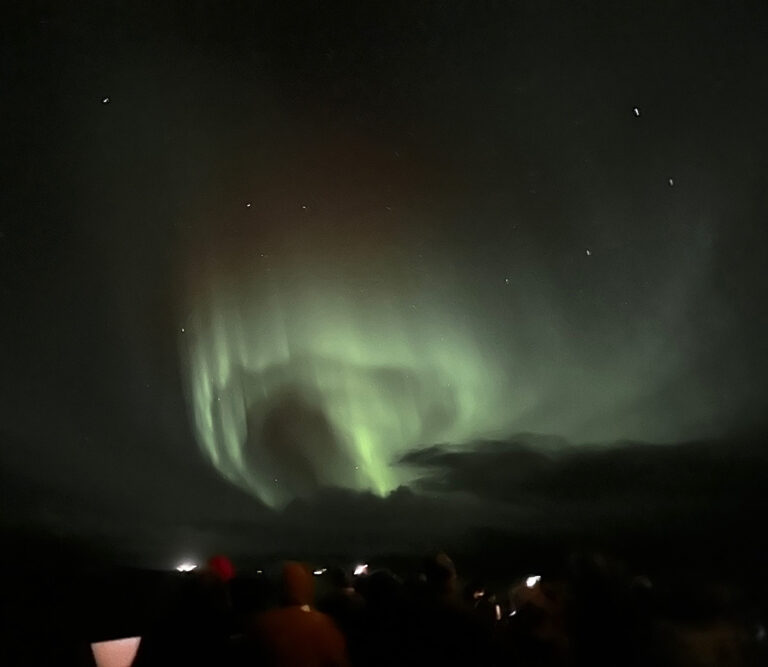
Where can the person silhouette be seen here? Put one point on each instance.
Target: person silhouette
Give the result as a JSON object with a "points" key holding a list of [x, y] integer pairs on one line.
{"points": [[295, 634]]}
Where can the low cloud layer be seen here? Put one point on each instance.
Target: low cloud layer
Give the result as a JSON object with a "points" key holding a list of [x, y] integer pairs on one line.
{"points": [[524, 469], [474, 497]]}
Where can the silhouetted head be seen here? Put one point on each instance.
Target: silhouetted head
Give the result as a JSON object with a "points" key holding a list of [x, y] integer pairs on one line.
{"points": [[297, 586], [383, 588], [440, 573], [338, 578]]}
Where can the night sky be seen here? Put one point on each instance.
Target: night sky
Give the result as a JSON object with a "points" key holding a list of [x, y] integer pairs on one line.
{"points": [[289, 275]]}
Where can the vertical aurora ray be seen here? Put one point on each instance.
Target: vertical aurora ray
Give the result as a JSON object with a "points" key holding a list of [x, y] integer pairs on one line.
{"points": [[299, 384]]}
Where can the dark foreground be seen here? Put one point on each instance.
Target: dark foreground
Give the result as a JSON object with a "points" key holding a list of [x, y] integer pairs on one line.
{"points": [[591, 610]]}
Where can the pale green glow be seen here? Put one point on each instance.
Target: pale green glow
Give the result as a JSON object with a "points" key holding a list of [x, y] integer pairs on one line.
{"points": [[385, 376], [315, 362]]}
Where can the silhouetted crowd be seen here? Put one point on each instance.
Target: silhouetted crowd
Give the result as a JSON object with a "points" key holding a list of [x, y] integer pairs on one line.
{"points": [[597, 615]]}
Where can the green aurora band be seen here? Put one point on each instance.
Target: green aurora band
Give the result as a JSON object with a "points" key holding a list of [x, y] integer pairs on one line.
{"points": [[296, 385], [316, 352], [303, 374]]}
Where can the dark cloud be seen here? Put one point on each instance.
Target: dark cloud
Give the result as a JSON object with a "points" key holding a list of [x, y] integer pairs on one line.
{"points": [[494, 496], [332, 522], [293, 436], [534, 496], [628, 478]]}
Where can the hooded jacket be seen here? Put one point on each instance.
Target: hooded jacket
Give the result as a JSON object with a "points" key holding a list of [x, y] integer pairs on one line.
{"points": [[295, 635]]}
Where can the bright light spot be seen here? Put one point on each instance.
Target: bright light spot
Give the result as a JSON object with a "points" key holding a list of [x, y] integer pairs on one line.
{"points": [[530, 582], [305, 607], [506, 280], [259, 571], [361, 569], [116, 651], [105, 100], [186, 566], [498, 612], [589, 252], [671, 181], [636, 111], [248, 204], [317, 573], [478, 594], [183, 329], [513, 612]]}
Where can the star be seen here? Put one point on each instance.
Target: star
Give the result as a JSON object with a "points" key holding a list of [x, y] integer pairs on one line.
{"points": [[636, 111], [105, 100], [671, 182], [182, 329], [589, 252], [507, 281], [248, 204]]}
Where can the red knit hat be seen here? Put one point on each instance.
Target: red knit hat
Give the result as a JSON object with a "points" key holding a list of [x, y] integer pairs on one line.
{"points": [[222, 567]]}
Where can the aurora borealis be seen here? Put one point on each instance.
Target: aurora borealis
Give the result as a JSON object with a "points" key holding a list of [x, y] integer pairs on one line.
{"points": [[256, 254], [350, 381], [322, 342]]}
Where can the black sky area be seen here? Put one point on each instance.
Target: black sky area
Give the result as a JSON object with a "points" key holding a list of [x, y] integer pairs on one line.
{"points": [[584, 183]]}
